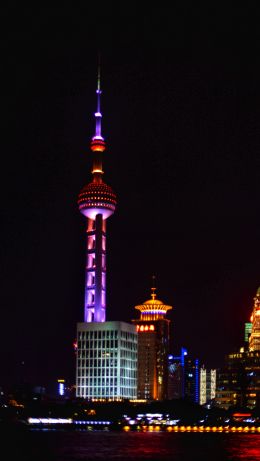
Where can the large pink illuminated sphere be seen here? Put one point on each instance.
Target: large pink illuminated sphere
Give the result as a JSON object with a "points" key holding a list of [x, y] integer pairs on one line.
{"points": [[97, 198]]}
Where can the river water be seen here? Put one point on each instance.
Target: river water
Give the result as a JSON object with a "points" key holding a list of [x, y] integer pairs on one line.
{"points": [[50, 445]]}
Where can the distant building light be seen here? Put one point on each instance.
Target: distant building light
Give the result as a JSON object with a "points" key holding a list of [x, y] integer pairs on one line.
{"points": [[61, 386]]}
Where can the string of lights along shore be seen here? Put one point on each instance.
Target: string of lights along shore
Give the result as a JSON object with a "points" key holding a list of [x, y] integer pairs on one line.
{"points": [[106, 351]]}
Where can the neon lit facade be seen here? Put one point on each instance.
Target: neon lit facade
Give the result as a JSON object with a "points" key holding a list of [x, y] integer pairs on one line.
{"points": [[176, 366], [183, 377], [153, 349], [254, 339], [106, 352], [191, 379]]}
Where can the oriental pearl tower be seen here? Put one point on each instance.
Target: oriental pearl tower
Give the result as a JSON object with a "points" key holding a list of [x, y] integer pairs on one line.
{"points": [[106, 351], [96, 202]]}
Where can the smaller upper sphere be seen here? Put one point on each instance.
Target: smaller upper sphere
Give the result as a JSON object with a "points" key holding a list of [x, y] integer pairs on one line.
{"points": [[97, 198]]}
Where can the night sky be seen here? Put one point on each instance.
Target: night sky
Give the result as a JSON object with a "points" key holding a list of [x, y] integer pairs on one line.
{"points": [[181, 118]]}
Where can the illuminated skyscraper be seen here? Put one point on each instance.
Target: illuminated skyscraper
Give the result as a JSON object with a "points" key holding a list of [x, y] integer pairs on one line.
{"points": [[238, 382], [207, 385], [254, 339], [183, 378], [106, 351], [176, 366], [191, 379], [153, 349]]}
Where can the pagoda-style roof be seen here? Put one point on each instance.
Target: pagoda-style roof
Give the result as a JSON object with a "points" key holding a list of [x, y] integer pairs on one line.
{"points": [[153, 308]]}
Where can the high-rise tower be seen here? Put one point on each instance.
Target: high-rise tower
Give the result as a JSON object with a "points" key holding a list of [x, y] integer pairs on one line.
{"points": [[153, 349], [106, 353], [97, 202], [254, 338], [238, 382]]}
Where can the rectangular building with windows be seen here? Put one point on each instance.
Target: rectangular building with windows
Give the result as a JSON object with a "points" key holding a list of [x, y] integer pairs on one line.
{"points": [[238, 382], [106, 360], [207, 385]]}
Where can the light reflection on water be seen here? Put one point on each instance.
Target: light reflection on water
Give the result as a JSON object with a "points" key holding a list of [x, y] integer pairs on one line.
{"points": [[245, 450], [132, 446]]}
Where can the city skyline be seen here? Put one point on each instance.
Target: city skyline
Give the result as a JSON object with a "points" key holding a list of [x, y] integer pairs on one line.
{"points": [[183, 158]]}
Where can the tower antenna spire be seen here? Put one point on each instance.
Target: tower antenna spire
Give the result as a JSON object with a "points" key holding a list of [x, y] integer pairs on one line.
{"points": [[98, 76], [98, 116], [98, 144], [153, 288]]}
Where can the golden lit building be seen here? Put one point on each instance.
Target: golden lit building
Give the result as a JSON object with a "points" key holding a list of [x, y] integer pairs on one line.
{"points": [[238, 382], [254, 338], [153, 331]]}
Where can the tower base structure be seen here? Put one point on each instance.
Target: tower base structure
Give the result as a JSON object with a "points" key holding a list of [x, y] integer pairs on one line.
{"points": [[106, 361]]}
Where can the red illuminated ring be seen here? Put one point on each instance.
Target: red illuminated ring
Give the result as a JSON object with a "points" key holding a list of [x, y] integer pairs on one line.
{"points": [[97, 145]]}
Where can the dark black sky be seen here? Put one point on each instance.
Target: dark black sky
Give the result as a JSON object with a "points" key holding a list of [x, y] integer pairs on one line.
{"points": [[181, 98]]}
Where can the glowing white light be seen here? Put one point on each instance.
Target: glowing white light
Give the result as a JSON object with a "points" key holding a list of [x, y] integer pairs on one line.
{"points": [[49, 420]]}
